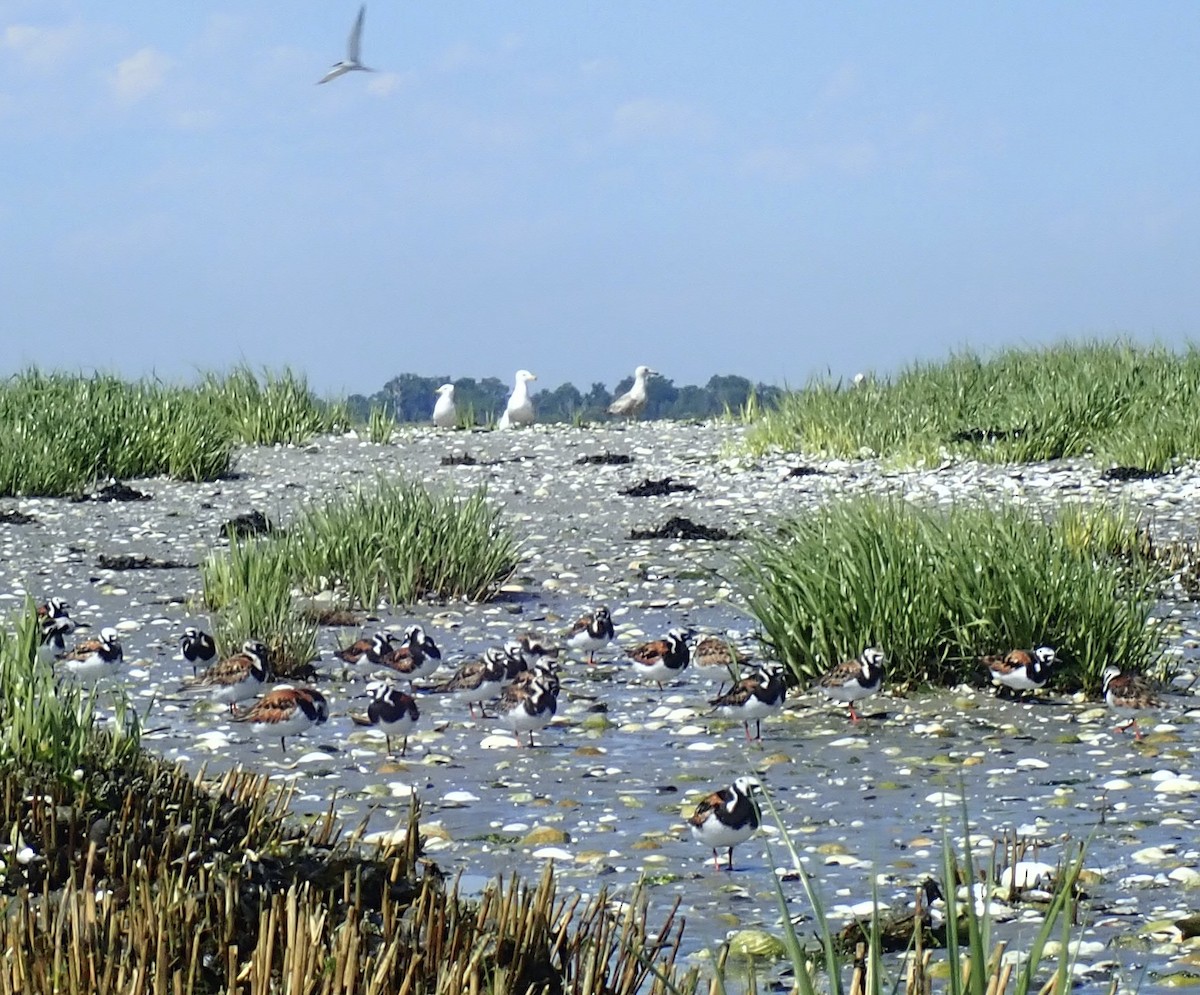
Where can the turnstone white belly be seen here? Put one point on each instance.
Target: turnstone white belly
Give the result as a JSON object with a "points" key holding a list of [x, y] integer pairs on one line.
{"points": [[527, 706], [590, 633], [198, 647], [93, 660], [754, 697], [285, 711], [236, 678], [661, 659], [478, 681], [726, 818], [854, 680], [391, 711], [1022, 670], [1130, 696]]}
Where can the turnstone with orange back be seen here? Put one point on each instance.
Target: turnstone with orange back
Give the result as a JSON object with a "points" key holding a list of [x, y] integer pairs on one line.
{"points": [[369, 649], [391, 711], [198, 647], [525, 707], [419, 656], [285, 711], [754, 697], [92, 660], [726, 818], [661, 659], [854, 680], [1022, 670], [1130, 696], [478, 681], [236, 678], [591, 632]]}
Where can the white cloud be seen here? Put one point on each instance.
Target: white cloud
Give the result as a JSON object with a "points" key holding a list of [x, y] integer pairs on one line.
{"points": [[650, 118], [386, 83], [140, 75], [41, 48]]}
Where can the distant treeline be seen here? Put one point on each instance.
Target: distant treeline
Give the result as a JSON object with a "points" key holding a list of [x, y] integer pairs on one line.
{"points": [[410, 398]]}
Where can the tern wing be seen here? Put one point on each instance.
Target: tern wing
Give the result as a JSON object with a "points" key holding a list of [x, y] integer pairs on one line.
{"points": [[352, 44]]}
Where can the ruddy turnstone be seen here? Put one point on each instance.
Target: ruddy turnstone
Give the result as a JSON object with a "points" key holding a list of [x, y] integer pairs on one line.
{"points": [[525, 707], [236, 678], [854, 679], [285, 711], [661, 659], [479, 680], [716, 651], [199, 648], [534, 647], [371, 649], [351, 62], [391, 711], [54, 624], [445, 415], [726, 818], [754, 697], [519, 409], [1022, 670], [1129, 695], [591, 632], [92, 660], [630, 404], [419, 656]]}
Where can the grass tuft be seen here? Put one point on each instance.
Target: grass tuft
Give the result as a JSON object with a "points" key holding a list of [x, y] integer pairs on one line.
{"points": [[1122, 404], [936, 590]]}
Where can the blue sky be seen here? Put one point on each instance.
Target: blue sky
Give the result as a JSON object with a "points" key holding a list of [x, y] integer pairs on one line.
{"points": [[770, 189]]}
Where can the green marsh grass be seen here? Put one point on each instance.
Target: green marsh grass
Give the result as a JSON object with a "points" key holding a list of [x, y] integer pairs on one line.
{"points": [[380, 426], [249, 588], [936, 589], [48, 724], [396, 543], [276, 409], [1119, 403], [60, 434]]}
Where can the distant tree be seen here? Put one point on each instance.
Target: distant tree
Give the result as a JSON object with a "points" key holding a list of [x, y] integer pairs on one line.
{"points": [[559, 404], [728, 393]]}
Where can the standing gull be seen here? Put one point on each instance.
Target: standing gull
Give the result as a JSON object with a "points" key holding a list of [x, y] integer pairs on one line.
{"points": [[519, 410], [350, 62], [445, 415], [631, 403]]}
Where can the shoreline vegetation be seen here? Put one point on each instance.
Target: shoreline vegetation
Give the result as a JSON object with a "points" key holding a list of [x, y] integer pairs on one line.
{"points": [[124, 874]]}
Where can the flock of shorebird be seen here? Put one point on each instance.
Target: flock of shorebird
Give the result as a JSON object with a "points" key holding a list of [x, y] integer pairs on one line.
{"points": [[522, 679]]}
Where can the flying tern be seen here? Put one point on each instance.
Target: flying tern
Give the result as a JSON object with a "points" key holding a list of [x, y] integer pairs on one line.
{"points": [[350, 62]]}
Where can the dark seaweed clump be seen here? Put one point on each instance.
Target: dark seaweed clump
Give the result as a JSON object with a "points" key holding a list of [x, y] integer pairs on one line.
{"points": [[658, 488], [683, 528]]}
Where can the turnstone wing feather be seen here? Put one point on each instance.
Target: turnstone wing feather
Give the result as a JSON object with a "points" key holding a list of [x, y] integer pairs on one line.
{"points": [[726, 818], [1129, 695], [285, 711], [854, 679], [1022, 670], [391, 711], [754, 697], [661, 659], [591, 632], [528, 706], [92, 660], [54, 624], [236, 678], [198, 647]]}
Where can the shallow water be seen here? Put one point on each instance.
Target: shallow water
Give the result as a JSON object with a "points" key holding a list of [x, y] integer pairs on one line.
{"points": [[624, 763]]}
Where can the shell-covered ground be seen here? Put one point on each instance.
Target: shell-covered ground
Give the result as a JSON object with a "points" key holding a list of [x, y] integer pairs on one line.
{"points": [[606, 791]]}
